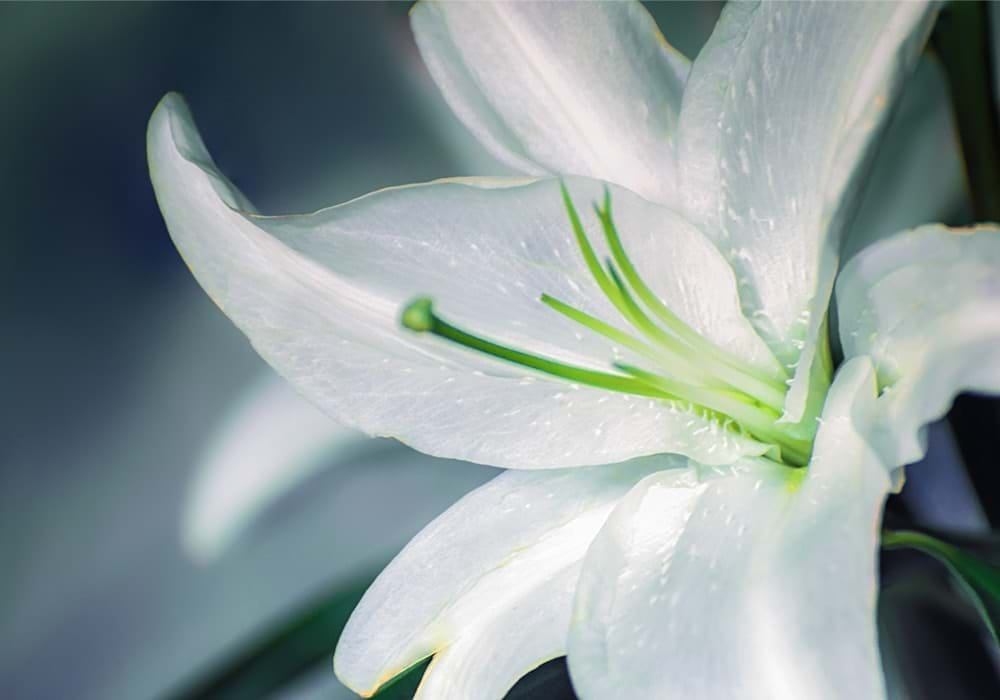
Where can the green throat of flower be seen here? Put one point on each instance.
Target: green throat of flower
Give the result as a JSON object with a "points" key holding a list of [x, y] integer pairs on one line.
{"points": [[714, 381]]}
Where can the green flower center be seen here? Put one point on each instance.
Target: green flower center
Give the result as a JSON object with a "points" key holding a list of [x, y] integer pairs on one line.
{"points": [[684, 366]]}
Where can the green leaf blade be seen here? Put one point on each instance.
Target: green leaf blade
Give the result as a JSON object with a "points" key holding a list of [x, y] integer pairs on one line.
{"points": [[979, 579]]}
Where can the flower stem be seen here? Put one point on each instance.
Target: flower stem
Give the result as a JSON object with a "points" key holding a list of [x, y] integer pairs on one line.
{"points": [[961, 39]]}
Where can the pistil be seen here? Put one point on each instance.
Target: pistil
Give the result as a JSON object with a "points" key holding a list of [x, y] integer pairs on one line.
{"points": [[713, 380]]}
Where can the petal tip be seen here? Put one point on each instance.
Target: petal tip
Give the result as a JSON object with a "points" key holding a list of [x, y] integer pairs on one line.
{"points": [[347, 673], [172, 103]]}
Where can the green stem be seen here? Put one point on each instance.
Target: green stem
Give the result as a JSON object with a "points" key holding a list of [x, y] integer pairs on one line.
{"points": [[961, 39]]}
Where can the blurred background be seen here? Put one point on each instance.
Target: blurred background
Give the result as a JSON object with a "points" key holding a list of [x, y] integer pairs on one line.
{"points": [[131, 403]]}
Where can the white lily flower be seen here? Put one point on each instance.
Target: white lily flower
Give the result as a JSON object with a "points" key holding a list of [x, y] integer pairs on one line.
{"points": [[657, 409]]}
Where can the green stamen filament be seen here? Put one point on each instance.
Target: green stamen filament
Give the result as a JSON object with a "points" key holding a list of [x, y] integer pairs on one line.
{"points": [[763, 392], [668, 317], [660, 355], [609, 284], [714, 381], [606, 284], [683, 364], [698, 355], [419, 316], [758, 420]]}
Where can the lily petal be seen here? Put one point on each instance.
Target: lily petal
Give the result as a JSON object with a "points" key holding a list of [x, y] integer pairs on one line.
{"points": [[479, 571], [271, 442], [770, 157], [757, 584], [574, 88], [925, 305], [488, 659], [917, 175], [320, 296]]}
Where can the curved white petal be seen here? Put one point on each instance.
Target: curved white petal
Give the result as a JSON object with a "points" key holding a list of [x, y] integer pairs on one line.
{"points": [[490, 656], [917, 174], [780, 114], [925, 305], [756, 584], [272, 441], [320, 296], [487, 563], [574, 88]]}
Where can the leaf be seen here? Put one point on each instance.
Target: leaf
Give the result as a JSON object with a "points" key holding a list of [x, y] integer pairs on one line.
{"points": [[292, 648], [980, 579]]}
